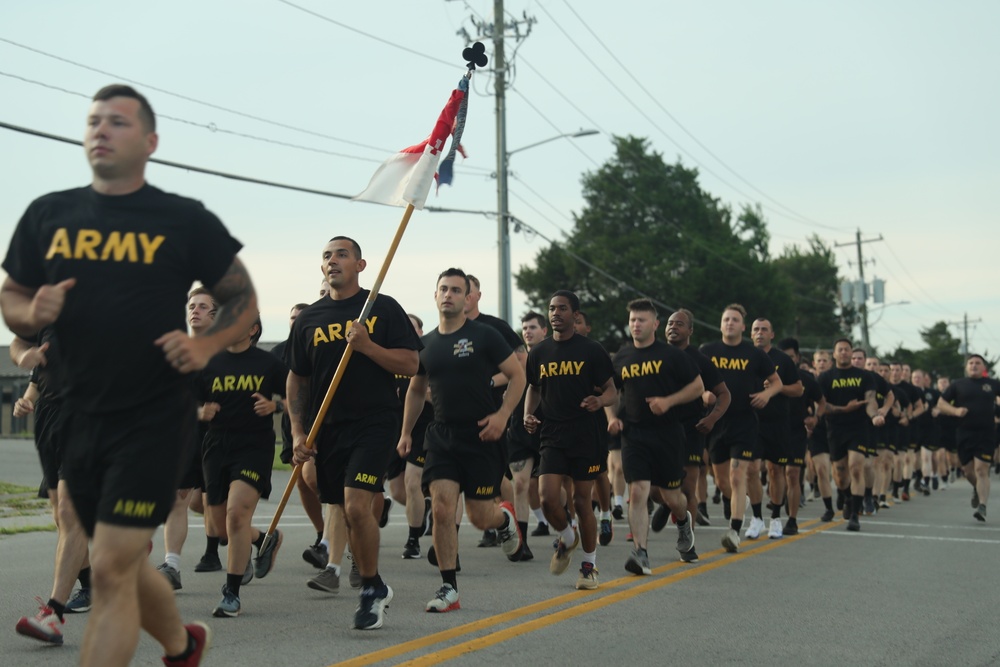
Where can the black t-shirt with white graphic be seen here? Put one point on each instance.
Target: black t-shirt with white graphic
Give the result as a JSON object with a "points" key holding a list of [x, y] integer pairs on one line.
{"points": [[510, 337], [743, 368], [231, 379], [134, 258], [655, 370], [776, 409], [318, 341], [566, 372], [458, 367], [979, 395]]}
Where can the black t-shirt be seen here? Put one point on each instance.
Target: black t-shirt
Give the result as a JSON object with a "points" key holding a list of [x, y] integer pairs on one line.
{"points": [[776, 409], [710, 376], [840, 386], [458, 367], [510, 337], [802, 406], [930, 396], [231, 379], [743, 367], [47, 378], [655, 370], [134, 256], [317, 343], [566, 372], [979, 395], [902, 400]]}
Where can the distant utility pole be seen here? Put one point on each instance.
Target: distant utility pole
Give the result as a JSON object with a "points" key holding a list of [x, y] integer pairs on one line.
{"points": [[498, 32], [860, 289], [965, 321]]}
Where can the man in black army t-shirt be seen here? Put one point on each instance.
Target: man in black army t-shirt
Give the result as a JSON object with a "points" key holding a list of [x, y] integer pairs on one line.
{"points": [[801, 420], [562, 373], [361, 425], [973, 400], [850, 405], [463, 451], [121, 246]]}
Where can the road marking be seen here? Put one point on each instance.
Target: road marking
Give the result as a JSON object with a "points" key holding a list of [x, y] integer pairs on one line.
{"points": [[970, 526], [584, 606], [933, 538]]}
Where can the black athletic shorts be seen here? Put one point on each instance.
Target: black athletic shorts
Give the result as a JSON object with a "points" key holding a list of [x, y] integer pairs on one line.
{"points": [[694, 444], [574, 449], [49, 433], [654, 454], [848, 441], [193, 474], [980, 444], [418, 444], [122, 468], [231, 457], [798, 440], [455, 452], [818, 441], [355, 454], [734, 437], [772, 439], [522, 445]]}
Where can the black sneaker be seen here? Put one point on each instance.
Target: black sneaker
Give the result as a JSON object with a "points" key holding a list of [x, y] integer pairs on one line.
{"points": [[935, 483], [412, 549], [717, 498], [854, 525], [870, 505], [317, 556], [386, 506], [209, 563], [541, 530], [606, 532], [689, 556], [523, 553], [489, 539], [268, 554], [433, 559], [827, 516], [617, 513], [980, 513], [847, 511], [372, 603], [791, 526], [660, 516]]}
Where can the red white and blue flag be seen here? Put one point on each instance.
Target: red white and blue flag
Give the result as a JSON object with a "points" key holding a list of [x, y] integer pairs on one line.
{"points": [[406, 177]]}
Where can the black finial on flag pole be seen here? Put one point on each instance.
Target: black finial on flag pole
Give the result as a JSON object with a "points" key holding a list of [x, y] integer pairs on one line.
{"points": [[475, 55]]}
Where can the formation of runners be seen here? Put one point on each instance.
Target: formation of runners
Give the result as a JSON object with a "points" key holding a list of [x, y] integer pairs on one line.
{"points": [[139, 424]]}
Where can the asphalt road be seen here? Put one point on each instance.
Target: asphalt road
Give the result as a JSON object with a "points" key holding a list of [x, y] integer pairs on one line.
{"points": [[917, 586]]}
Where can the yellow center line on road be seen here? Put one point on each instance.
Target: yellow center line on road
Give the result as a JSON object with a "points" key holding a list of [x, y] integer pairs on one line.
{"points": [[558, 617]]}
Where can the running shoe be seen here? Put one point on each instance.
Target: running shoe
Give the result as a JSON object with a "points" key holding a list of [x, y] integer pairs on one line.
{"points": [[522, 554], [717, 498], [731, 541], [354, 577], [980, 513], [229, 607], [563, 554], [172, 575], [384, 519], [606, 533], [327, 581], [372, 603], [702, 519], [509, 538], [541, 530], [446, 599], [208, 563], [638, 563], [774, 531], [854, 525], [791, 526], [489, 539], [411, 550], [618, 513], [44, 626], [660, 516], [629, 538], [202, 636], [588, 577], [267, 554], [685, 535], [79, 602], [689, 556], [869, 503], [754, 528], [316, 555], [247, 573], [827, 516], [883, 504]]}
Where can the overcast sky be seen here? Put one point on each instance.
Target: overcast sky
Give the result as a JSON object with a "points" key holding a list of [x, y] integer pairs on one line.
{"points": [[834, 116]]}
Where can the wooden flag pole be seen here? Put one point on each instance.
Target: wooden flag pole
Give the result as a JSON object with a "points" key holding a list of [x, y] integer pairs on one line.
{"points": [[337, 376]]}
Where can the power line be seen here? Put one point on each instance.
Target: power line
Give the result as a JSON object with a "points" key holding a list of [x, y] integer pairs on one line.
{"points": [[718, 159], [919, 286]]}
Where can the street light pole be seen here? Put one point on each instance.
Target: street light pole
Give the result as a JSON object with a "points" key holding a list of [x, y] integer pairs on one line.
{"points": [[503, 216]]}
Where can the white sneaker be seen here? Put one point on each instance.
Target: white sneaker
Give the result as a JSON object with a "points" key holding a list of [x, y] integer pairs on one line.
{"points": [[754, 527], [731, 541], [774, 530]]}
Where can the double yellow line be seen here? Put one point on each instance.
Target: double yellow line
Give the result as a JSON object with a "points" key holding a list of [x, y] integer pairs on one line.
{"points": [[597, 600]]}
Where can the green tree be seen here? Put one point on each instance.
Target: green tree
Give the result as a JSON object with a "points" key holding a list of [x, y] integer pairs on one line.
{"points": [[652, 227], [814, 297]]}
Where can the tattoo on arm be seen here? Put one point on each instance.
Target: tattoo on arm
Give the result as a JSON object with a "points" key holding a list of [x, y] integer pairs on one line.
{"points": [[234, 293]]}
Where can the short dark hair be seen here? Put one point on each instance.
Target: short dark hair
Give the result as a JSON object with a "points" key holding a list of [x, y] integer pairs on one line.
{"points": [[474, 280], [420, 322], [299, 306], [849, 342], [532, 315], [861, 350], [788, 344], [686, 313], [146, 114], [458, 273], [260, 331], [977, 356], [738, 308], [642, 305], [583, 316], [357, 246], [574, 300]]}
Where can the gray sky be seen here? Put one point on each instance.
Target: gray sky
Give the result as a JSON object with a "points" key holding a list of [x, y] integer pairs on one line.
{"points": [[834, 116]]}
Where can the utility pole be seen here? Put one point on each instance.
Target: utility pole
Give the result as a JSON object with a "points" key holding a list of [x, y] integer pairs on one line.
{"points": [[864, 290], [965, 332]]}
